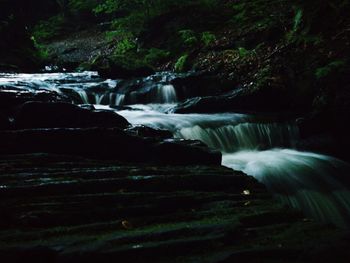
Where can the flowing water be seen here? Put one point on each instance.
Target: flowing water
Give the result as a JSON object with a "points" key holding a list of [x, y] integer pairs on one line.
{"points": [[256, 145]]}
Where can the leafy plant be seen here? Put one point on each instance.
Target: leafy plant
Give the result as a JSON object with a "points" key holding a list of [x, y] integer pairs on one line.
{"points": [[297, 19], [112, 35], [181, 63], [108, 6], [208, 38], [188, 37], [156, 55], [124, 45], [46, 30], [333, 66], [42, 51], [81, 5], [243, 52]]}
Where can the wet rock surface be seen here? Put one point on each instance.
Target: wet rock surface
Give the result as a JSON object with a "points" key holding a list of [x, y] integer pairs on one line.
{"points": [[70, 209], [12, 97], [64, 115], [103, 143], [237, 100]]}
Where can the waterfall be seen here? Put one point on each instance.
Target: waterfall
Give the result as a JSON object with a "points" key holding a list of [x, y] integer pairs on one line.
{"points": [[99, 98], [256, 145], [166, 94], [231, 138], [310, 182], [83, 95], [119, 99]]}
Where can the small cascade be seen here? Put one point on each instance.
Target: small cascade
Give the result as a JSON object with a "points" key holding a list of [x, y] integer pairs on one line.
{"points": [[231, 138], [83, 95], [313, 183], [119, 99], [310, 182], [166, 94], [99, 98]]}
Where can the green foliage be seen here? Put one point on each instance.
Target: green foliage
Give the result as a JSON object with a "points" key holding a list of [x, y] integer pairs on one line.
{"points": [[243, 52], [129, 25], [155, 56], [46, 30], [208, 38], [124, 45], [112, 35], [188, 37], [259, 14], [42, 52], [181, 63], [332, 67], [297, 19], [108, 6], [82, 5]]}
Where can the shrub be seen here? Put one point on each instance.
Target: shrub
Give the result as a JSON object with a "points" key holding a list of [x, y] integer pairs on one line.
{"points": [[188, 37], [46, 30], [42, 51], [325, 71], [208, 38], [156, 56], [243, 52], [124, 45]]}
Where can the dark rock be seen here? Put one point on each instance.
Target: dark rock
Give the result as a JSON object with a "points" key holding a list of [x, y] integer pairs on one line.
{"points": [[4, 122], [144, 131], [8, 68], [64, 115], [109, 69], [325, 132], [186, 152], [114, 144], [12, 97], [62, 209], [264, 100], [199, 85]]}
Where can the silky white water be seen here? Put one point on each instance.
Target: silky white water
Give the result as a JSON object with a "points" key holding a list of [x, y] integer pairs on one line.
{"points": [[256, 145]]}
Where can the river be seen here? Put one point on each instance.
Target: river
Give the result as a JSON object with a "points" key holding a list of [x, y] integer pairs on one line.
{"points": [[254, 144]]}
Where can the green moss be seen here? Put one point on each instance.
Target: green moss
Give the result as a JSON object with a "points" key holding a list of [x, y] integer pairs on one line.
{"points": [[46, 30], [155, 56], [243, 52], [123, 46], [42, 51], [208, 38], [181, 63], [333, 66], [188, 38], [82, 5]]}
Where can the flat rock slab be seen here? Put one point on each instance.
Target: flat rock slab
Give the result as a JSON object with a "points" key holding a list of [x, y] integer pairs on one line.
{"points": [[70, 209]]}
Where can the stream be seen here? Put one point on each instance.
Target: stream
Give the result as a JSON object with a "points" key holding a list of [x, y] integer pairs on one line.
{"points": [[254, 144]]}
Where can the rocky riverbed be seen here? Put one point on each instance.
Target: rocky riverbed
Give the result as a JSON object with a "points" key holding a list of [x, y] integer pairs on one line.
{"points": [[58, 208], [82, 184]]}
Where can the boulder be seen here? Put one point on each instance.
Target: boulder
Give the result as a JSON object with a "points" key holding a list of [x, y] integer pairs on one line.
{"points": [[111, 144], [4, 121], [185, 152], [199, 85], [148, 132], [243, 99], [64, 115], [12, 97]]}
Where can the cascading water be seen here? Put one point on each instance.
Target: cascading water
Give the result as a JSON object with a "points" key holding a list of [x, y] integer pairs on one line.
{"points": [[255, 145], [166, 94], [310, 182]]}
